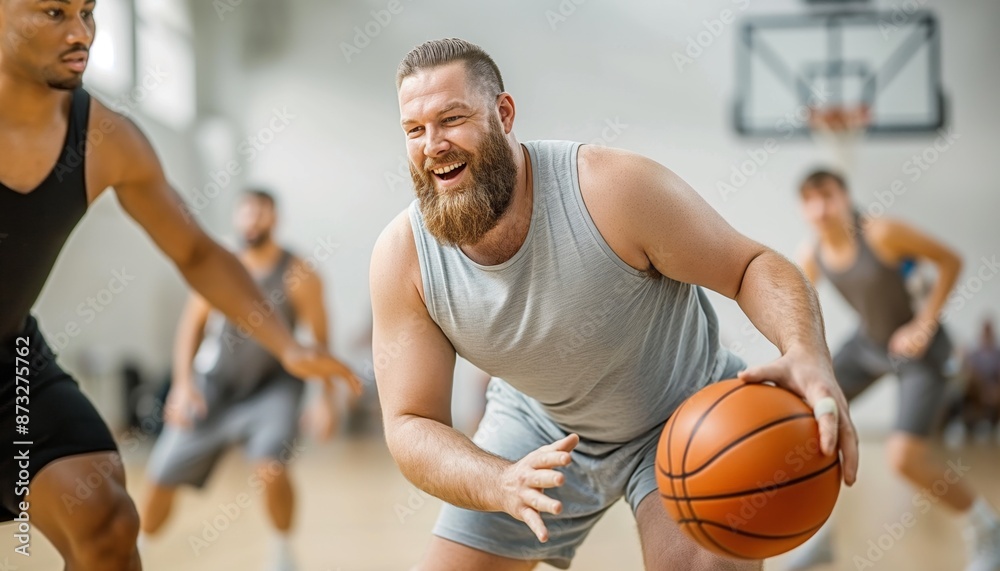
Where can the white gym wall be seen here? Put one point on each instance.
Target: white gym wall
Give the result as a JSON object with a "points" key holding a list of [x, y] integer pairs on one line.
{"points": [[301, 95]]}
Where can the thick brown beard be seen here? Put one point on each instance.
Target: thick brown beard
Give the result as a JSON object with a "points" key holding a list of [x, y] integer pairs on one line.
{"points": [[463, 215]]}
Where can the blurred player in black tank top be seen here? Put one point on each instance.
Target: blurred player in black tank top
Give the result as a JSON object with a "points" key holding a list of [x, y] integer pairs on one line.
{"points": [[48, 177]]}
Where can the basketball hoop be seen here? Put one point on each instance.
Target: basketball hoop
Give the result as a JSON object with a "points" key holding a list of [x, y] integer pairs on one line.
{"points": [[841, 65], [840, 118], [841, 129]]}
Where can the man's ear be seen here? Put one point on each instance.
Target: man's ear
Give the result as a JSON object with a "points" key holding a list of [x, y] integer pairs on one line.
{"points": [[506, 109]]}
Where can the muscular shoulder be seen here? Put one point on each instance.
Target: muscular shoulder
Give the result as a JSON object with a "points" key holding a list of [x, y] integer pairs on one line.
{"points": [[121, 152], [893, 240], [882, 235], [620, 173], [621, 190], [625, 183], [394, 266], [879, 229]]}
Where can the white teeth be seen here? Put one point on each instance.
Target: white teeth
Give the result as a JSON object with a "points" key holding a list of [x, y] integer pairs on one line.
{"points": [[447, 169]]}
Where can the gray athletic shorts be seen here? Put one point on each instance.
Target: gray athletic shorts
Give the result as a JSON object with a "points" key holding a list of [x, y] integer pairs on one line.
{"points": [[264, 424], [599, 475], [860, 362]]}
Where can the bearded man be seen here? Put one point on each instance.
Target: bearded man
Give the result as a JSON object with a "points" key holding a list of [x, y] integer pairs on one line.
{"points": [[572, 274]]}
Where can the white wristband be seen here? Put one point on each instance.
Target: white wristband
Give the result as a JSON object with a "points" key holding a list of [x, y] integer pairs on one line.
{"points": [[826, 405]]}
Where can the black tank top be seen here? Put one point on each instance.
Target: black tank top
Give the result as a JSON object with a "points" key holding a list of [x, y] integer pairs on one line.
{"points": [[34, 226]]}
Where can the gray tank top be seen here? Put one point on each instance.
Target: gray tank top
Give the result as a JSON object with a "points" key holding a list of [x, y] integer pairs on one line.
{"points": [[876, 291], [233, 365], [606, 350]]}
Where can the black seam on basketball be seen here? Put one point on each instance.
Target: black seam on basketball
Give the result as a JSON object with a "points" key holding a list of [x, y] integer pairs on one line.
{"points": [[714, 542], [687, 448], [748, 533], [798, 480], [753, 432]]}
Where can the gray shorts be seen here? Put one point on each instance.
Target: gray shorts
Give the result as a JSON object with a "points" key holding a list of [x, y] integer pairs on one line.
{"points": [[265, 424], [599, 475], [860, 362]]}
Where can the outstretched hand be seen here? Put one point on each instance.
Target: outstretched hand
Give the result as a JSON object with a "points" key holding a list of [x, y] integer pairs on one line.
{"points": [[304, 363]]}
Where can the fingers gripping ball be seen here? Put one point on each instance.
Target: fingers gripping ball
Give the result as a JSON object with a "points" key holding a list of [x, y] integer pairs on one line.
{"points": [[740, 469]]}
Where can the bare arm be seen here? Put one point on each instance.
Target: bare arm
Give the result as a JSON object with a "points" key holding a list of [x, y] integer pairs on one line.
{"points": [[414, 365], [899, 240], [782, 304], [135, 173], [672, 229], [310, 308], [658, 221], [190, 332], [185, 401]]}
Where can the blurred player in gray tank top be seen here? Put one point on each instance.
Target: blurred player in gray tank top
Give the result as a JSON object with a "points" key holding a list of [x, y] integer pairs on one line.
{"points": [[862, 258], [228, 391], [572, 274]]}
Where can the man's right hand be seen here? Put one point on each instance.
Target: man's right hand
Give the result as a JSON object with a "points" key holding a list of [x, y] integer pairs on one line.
{"points": [[522, 483], [306, 362], [185, 403]]}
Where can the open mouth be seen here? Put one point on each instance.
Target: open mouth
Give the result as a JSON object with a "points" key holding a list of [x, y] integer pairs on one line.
{"points": [[449, 172]]}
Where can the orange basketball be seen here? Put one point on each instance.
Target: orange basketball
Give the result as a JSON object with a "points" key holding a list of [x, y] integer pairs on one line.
{"points": [[740, 470]]}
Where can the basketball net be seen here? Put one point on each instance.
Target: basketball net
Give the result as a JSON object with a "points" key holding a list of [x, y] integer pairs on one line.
{"points": [[840, 129]]}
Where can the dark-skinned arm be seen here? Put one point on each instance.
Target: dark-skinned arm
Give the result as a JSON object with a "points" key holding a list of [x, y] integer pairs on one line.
{"points": [[143, 191]]}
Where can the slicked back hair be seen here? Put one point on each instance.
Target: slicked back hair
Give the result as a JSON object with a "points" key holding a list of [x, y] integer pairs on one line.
{"points": [[481, 69]]}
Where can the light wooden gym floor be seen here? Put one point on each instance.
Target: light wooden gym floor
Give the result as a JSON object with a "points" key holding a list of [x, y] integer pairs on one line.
{"points": [[357, 513]]}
